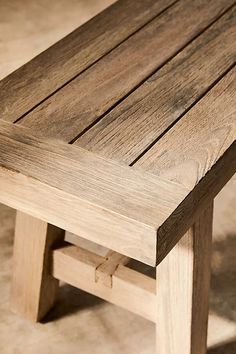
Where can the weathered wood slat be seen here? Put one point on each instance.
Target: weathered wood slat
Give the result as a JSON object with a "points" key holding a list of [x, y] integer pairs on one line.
{"points": [[87, 176], [199, 152], [90, 95], [135, 124], [69, 213], [39, 78], [190, 148], [105, 271]]}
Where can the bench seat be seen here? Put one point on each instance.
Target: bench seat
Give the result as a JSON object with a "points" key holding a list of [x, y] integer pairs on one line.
{"points": [[147, 101], [124, 131]]}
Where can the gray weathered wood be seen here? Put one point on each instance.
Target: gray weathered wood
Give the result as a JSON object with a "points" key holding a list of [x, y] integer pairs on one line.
{"points": [[144, 116], [71, 110], [74, 53]]}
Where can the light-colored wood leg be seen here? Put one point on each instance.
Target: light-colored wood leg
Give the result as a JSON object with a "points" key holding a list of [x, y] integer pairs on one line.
{"points": [[33, 288], [183, 279]]}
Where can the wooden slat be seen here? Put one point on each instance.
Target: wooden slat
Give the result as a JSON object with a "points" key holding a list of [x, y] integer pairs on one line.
{"points": [[188, 151], [77, 105], [201, 144], [132, 126], [130, 289], [85, 194], [27, 86]]}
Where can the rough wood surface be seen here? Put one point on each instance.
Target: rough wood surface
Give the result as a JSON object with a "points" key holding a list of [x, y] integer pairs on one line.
{"points": [[66, 114], [177, 158], [130, 289], [34, 289], [85, 194], [180, 162], [143, 117], [154, 211], [183, 280], [199, 152], [106, 269], [73, 54], [192, 146]]}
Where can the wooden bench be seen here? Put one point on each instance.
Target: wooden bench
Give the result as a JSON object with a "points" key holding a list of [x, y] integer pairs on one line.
{"points": [[123, 133]]}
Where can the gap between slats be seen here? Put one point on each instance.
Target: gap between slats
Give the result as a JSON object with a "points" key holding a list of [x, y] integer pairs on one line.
{"points": [[181, 116], [96, 61], [140, 83], [148, 77]]}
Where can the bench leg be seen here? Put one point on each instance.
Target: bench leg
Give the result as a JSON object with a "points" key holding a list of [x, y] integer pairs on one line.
{"points": [[183, 279], [33, 288]]}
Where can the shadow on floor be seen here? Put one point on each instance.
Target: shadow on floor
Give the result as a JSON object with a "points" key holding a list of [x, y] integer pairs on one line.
{"points": [[71, 300], [227, 348]]}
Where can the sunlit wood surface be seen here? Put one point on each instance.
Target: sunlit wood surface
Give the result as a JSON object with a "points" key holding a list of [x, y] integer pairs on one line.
{"points": [[81, 323]]}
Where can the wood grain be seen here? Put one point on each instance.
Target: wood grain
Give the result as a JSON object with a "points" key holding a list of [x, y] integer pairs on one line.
{"points": [[214, 130], [74, 53], [199, 152], [71, 110], [73, 321], [144, 116], [192, 146], [105, 271], [34, 289], [183, 279], [86, 195], [130, 289], [61, 182]]}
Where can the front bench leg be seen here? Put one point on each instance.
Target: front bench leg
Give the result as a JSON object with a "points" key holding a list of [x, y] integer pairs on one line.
{"points": [[33, 288], [183, 279]]}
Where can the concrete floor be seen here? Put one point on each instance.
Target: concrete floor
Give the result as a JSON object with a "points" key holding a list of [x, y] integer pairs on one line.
{"points": [[81, 323]]}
